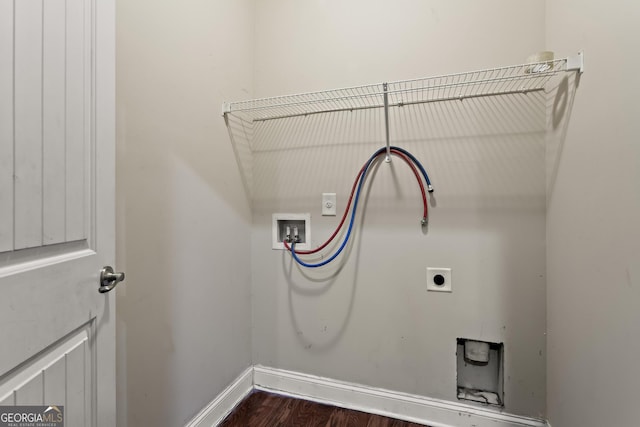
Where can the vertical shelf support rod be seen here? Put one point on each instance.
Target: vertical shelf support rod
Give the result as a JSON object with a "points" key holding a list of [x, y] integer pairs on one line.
{"points": [[386, 120]]}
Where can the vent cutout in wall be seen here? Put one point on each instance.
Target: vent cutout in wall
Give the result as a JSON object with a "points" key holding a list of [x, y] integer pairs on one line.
{"points": [[480, 371]]}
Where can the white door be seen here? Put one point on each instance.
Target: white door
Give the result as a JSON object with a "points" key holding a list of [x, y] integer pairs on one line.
{"points": [[57, 90]]}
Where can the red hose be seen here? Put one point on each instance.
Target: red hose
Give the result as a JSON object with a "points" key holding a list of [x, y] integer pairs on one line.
{"points": [[353, 188]]}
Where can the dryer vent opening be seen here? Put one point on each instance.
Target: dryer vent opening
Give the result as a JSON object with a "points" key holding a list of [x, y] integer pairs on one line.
{"points": [[480, 371]]}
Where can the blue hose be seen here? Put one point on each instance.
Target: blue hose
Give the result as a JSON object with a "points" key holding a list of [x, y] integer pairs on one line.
{"points": [[351, 221], [355, 206], [414, 160]]}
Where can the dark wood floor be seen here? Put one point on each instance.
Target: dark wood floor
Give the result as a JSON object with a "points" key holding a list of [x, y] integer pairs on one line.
{"points": [[261, 409]]}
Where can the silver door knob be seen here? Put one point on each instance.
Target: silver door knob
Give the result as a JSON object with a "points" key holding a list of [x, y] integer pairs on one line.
{"points": [[109, 279]]}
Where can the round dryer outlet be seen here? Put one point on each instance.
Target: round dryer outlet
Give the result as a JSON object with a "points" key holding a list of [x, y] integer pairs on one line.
{"points": [[439, 279]]}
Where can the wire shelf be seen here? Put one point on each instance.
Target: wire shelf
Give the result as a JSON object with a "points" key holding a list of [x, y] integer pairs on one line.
{"points": [[514, 79], [255, 129]]}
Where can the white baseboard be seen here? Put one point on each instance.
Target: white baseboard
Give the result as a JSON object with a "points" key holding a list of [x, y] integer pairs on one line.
{"points": [[404, 406], [224, 403], [418, 409]]}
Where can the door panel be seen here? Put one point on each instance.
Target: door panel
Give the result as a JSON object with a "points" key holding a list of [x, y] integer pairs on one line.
{"points": [[55, 382], [6, 125], [30, 393], [78, 384], [77, 106], [60, 375], [50, 146], [27, 121], [57, 100], [7, 401], [54, 122]]}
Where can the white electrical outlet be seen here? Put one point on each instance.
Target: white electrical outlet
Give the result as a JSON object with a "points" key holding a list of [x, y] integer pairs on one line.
{"points": [[439, 279], [329, 204]]}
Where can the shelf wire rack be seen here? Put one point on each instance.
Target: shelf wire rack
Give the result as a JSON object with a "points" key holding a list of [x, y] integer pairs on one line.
{"points": [[514, 79], [242, 116]]}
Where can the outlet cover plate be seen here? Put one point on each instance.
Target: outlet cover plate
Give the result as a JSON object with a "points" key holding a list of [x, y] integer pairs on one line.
{"points": [[329, 204], [432, 272]]}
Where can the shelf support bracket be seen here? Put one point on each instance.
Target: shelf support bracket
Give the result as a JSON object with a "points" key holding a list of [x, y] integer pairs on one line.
{"points": [[576, 62], [226, 109], [386, 120]]}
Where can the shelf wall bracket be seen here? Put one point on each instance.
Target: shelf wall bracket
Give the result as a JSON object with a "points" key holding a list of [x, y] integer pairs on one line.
{"points": [[385, 91], [226, 109], [576, 62]]}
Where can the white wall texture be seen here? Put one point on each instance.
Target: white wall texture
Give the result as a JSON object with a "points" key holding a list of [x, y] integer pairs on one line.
{"points": [[593, 237], [184, 224], [183, 219], [373, 322]]}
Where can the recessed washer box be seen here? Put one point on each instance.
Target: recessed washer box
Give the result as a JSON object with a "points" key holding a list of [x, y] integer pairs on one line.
{"points": [[279, 229]]}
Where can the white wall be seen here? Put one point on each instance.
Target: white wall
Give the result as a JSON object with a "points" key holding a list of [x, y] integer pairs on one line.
{"points": [[183, 220], [374, 323], [593, 258], [184, 314]]}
